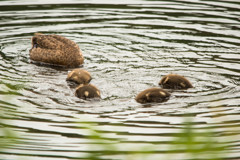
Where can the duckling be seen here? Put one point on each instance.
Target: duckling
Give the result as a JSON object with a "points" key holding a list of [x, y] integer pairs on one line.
{"points": [[56, 50], [79, 76], [86, 91], [175, 81], [152, 95]]}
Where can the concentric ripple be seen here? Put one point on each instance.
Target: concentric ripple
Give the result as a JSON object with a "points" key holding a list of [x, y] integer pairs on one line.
{"points": [[128, 46]]}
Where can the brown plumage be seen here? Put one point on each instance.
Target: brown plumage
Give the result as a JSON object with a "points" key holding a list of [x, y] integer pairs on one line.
{"points": [[56, 50], [87, 91], [174, 81], [152, 95], [79, 76]]}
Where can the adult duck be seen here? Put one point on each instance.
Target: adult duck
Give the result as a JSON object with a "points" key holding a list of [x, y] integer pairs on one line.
{"points": [[56, 50]]}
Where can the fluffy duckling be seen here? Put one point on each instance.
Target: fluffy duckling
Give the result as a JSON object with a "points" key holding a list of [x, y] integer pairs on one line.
{"points": [[152, 95], [79, 76], [87, 91], [175, 81], [56, 50]]}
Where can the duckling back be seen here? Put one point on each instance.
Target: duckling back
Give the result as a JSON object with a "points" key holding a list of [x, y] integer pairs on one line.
{"points": [[87, 91], [175, 81], [79, 76], [152, 95]]}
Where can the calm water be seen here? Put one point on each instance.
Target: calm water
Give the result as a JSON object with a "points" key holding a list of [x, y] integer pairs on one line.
{"points": [[128, 46]]}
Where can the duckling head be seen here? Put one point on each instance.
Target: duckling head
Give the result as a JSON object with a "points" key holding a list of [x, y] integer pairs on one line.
{"points": [[56, 50]]}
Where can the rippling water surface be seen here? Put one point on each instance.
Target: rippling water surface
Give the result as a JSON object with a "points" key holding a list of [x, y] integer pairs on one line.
{"points": [[128, 46]]}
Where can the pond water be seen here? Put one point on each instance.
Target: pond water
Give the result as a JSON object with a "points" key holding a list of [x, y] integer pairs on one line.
{"points": [[128, 46]]}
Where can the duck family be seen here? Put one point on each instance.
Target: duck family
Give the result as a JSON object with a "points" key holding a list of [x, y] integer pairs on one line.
{"points": [[58, 50]]}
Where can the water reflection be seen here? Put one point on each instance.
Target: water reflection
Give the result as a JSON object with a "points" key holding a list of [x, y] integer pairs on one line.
{"points": [[128, 47]]}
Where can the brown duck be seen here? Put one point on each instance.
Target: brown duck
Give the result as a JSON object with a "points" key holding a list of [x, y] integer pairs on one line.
{"points": [[87, 91], [152, 95], [79, 76], [175, 81], [56, 50]]}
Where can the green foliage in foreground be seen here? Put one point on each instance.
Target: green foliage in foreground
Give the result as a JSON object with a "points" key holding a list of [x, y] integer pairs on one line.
{"points": [[189, 142], [199, 145], [7, 91], [193, 143], [7, 137]]}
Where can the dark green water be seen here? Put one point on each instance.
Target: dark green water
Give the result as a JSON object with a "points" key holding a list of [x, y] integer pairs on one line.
{"points": [[128, 46]]}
